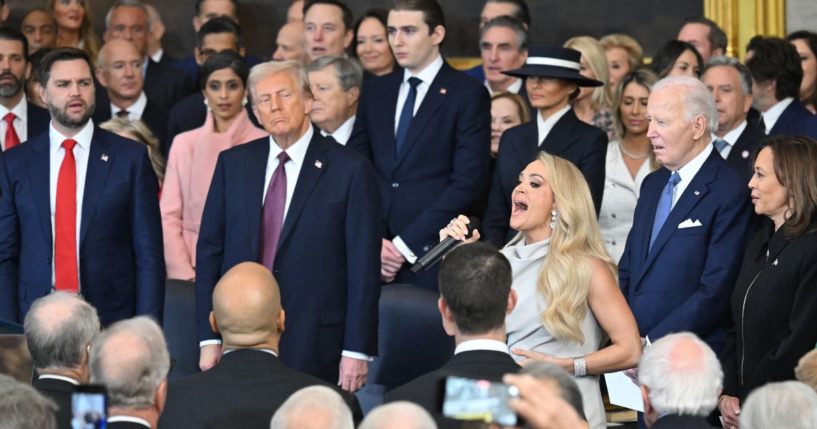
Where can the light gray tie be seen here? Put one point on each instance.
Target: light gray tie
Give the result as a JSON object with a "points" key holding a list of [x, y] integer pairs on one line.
{"points": [[720, 145]]}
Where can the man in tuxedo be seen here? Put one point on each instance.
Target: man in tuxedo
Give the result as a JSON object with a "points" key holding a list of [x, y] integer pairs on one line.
{"points": [[118, 70], [503, 44], [78, 208], [734, 138], [327, 28], [289, 201], [475, 296], [776, 70], [683, 253], [249, 383], [681, 380], [705, 35], [19, 119], [59, 328], [335, 84], [130, 359], [426, 128]]}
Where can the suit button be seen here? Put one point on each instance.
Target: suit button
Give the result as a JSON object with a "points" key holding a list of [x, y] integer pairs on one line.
{"points": [[425, 248], [614, 243], [395, 185], [613, 215]]}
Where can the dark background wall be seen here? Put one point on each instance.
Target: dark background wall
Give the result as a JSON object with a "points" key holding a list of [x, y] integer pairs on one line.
{"points": [[649, 21]]}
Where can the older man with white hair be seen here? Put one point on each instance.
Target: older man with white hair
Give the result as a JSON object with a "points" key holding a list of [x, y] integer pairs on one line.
{"points": [[787, 404], [22, 407], [314, 407], [335, 83], [681, 380], [398, 415], [131, 360]]}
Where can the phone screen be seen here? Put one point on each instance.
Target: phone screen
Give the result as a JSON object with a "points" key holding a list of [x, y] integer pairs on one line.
{"points": [[89, 408], [479, 400]]}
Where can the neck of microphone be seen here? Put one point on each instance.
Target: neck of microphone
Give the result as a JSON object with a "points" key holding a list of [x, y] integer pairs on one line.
{"points": [[438, 252]]}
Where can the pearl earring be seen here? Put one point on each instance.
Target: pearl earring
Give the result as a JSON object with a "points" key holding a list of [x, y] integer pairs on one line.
{"points": [[554, 215]]}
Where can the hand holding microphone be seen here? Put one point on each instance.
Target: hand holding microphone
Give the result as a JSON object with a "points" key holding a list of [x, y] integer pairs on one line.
{"points": [[460, 229]]}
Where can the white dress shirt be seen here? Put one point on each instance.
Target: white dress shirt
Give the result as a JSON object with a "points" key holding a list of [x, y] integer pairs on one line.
{"points": [[482, 344], [129, 419], [20, 122], [730, 138], [57, 153], [344, 131], [157, 57], [513, 88], [544, 126], [771, 116], [689, 171], [135, 110], [59, 377]]}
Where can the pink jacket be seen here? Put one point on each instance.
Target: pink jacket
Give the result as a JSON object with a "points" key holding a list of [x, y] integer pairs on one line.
{"points": [[190, 167]]}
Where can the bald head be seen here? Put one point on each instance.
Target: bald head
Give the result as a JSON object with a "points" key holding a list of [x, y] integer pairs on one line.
{"points": [[290, 43], [247, 306], [114, 49]]}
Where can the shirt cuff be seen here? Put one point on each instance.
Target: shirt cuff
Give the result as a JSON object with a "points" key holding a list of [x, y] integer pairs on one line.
{"points": [[356, 355], [404, 250], [209, 343]]}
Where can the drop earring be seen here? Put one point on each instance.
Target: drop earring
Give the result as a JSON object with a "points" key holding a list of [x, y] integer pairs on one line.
{"points": [[554, 216]]}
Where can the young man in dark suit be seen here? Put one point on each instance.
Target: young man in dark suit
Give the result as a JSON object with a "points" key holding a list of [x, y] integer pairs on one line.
{"points": [[426, 128], [476, 295], [19, 119], [78, 209]]}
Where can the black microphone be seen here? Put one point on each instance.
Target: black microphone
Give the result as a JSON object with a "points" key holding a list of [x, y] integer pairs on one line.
{"points": [[438, 252]]}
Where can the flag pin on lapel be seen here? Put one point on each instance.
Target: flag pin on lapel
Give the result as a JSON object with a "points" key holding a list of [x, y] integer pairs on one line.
{"points": [[443, 91], [697, 193], [318, 163], [104, 157], [775, 262]]}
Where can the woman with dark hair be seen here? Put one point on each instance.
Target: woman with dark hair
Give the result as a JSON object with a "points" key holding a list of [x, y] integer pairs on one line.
{"points": [[677, 58], [371, 43], [75, 25], [193, 155], [775, 296], [806, 44]]}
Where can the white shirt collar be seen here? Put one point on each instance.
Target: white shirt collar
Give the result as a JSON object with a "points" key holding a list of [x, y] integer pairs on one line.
{"points": [[83, 137], [130, 419], [268, 351], [689, 171], [135, 110], [60, 377], [296, 152], [544, 126], [732, 136], [427, 74], [482, 344], [344, 131], [513, 88], [771, 116], [20, 110], [157, 57]]}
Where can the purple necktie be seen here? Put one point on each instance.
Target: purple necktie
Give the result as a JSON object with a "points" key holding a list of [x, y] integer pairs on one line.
{"points": [[273, 220]]}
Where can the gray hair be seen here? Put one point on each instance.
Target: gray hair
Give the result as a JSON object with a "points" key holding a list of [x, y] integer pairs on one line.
{"points": [[685, 385], [309, 401], [132, 374], [23, 407], [410, 415], [129, 3], [503, 21], [262, 71], [788, 404], [697, 99], [349, 73], [59, 339], [568, 389], [743, 71]]}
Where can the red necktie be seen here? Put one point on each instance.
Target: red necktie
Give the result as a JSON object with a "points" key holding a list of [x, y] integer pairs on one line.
{"points": [[11, 134], [65, 223], [273, 213]]}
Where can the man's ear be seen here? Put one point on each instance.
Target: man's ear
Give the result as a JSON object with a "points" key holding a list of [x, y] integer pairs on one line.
{"points": [[213, 323], [282, 318], [158, 31], [438, 35], [161, 396], [512, 298]]}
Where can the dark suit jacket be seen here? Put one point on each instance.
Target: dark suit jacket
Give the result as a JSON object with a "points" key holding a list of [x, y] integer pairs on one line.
{"points": [[796, 120], [681, 422], [332, 220], [188, 114], [125, 425], [478, 73], [153, 116], [165, 85], [582, 144], [444, 166], [121, 261], [773, 308], [60, 392], [38, 120], [740, 157], [242, 391], [190, 68], [426, 390], [684, 281]]}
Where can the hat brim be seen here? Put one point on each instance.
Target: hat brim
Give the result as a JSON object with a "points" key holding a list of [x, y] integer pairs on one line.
{"points": [[552, 72]]}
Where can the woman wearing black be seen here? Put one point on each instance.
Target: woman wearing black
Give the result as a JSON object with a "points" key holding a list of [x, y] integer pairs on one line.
{"points": [[775, 297]]}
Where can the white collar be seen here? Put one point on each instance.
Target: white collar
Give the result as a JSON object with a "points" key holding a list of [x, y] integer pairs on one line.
{"points": [[60, 377], [268, 351], [129, 419], [732, 136], [513, 88], [427, 74], [771, 115], [296, 152], [157, 57], [482, 344], [20, 110], [83, 137], [688, 171], [135, 110], [544, 126], [344, 131]]}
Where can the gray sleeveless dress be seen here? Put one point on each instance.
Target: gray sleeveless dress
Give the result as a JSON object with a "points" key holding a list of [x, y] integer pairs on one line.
{"points": [[525, 330]]}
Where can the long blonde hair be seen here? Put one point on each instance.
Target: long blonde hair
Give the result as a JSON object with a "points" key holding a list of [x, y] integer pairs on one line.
{"points": [[89, 38], [565, 276], [597, 60]]}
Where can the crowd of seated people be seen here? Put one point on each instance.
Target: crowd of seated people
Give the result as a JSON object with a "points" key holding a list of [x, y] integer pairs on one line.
{"points": [[571, 210]]}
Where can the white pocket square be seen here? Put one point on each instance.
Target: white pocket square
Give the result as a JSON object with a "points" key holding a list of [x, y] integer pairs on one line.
{"points": [[689, 223]]}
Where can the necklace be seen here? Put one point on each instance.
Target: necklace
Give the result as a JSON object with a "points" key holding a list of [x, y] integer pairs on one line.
{"points": [[630, 155]]}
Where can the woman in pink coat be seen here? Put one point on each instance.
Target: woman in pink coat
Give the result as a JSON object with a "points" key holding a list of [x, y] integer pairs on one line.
{"points": [[193, 158]]}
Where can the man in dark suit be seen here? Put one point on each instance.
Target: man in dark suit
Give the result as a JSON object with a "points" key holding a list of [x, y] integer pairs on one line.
{"points": [[290, 201], [426, 129], [19, 119], [681, 379], [249, 383], [476, 295], [503, 44], [130, 359], [118, 70], [59, 328], [777, 73], [735, 138], [78, 208], [683, 253]]}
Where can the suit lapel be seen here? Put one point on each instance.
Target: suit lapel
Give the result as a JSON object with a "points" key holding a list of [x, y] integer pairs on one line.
{"points": [[40, 177], [787, 119], [527, 146], [561, 135], [315, 163], [255, 169], [100, 158], [387, 103]]}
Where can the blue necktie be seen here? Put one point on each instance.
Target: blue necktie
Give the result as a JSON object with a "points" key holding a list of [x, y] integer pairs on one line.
{"points": [[720, 144], [664, 206], [405, 116]]}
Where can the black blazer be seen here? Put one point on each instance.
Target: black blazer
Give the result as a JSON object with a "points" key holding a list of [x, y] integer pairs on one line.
{"points": [[38, 120], [740, 157], [165, 85], [189, 114], [795, 120], [60, 392], [154, 116], [242, 391], [773, 308], [681, 422], [426, 391], [582, 144]]}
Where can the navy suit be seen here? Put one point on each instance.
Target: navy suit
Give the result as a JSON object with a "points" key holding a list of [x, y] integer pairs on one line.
{"points": [[121, 260], [328, 259], [582, 144], [795, 120], [37, 121], [740, 157], [444, 165], [683, 283], [165, 85], [153, 116]]}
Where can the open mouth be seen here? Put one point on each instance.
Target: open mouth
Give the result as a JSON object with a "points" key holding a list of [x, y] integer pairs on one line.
{"points": [[519, 207]]}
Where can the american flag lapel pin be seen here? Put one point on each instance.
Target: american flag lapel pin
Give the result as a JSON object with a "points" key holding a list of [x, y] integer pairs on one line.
{"points": [[318, 163], [443, 91], [697, 193], [104, 157]]}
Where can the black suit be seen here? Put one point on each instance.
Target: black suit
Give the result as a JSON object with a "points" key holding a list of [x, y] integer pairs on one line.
{"points": [[681, 422], [60, 392], [189, 114], [165, 85], [582, 144], [126, 425], [426, 391], [37, 121], [242, 391], [740, 157], [154, 116]]}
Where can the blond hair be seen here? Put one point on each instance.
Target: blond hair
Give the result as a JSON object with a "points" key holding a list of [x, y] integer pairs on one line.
{"points": [[90, 41], [262, 71], [142, 134], [597, 60], [635, 54]]}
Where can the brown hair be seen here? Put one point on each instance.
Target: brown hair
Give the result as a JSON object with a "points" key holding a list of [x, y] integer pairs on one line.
{"points": [[90, 41], [432, 11]]}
